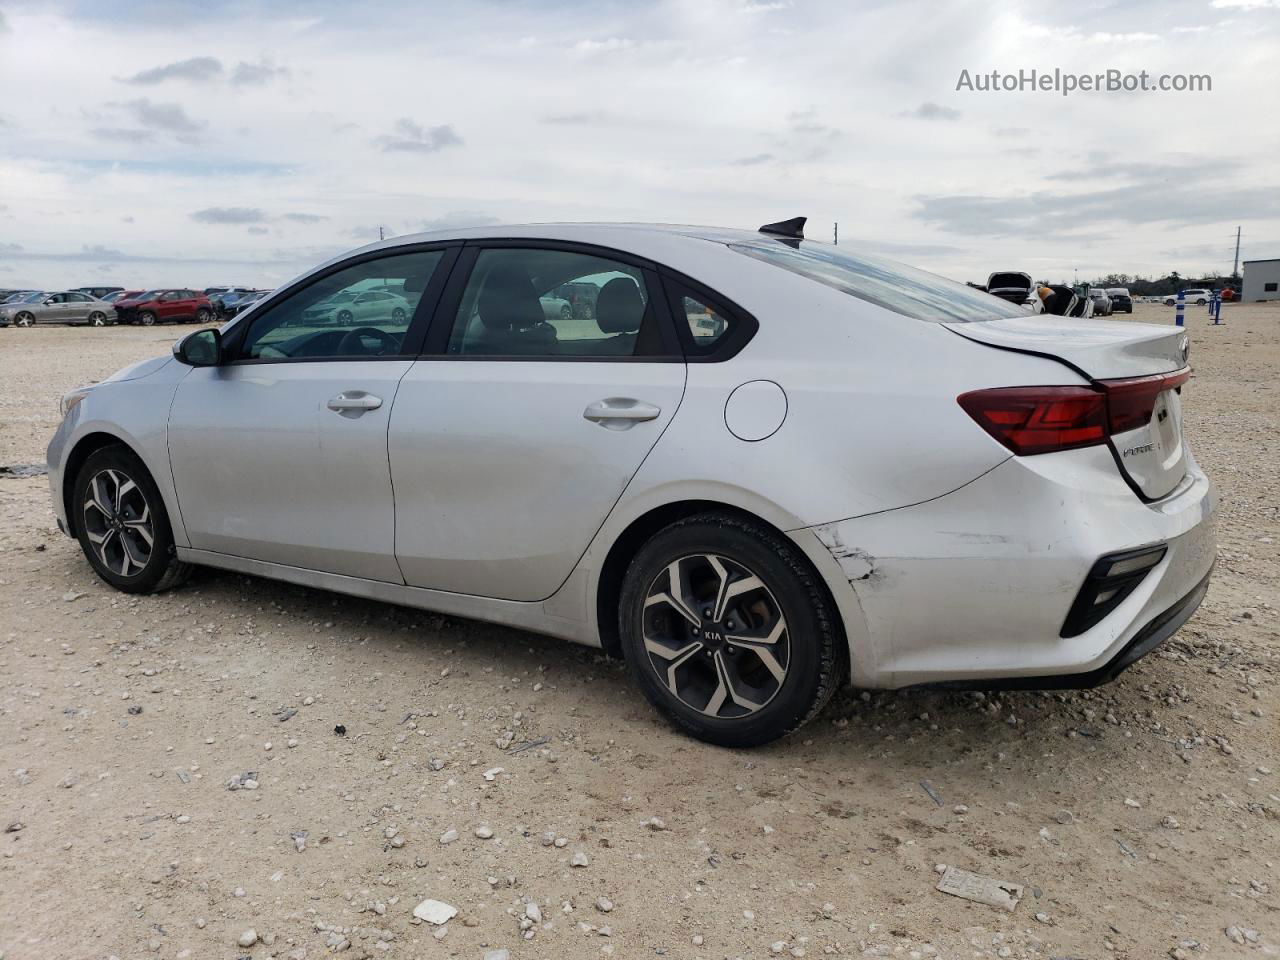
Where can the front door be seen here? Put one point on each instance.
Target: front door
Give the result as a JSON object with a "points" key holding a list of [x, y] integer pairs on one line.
{"points": [[280, 454], [512, 442]]}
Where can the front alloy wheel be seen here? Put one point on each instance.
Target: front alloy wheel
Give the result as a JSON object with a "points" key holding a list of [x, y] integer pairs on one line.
{"points": [[24, 320], [117, 522], [121, 523], [729, 630]]}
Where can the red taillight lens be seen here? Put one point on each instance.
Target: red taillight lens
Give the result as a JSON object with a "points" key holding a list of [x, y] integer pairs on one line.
{"points": [[1031, 420], [1130, 402]]}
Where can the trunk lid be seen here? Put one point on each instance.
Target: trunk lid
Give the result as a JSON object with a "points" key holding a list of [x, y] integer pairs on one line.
{"points": [[1137, 365]]}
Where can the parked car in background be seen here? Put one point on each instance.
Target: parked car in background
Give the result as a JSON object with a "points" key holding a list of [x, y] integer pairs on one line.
{"points": [[556, 308], [98, 293], [752, 512], [1012, 286], [68, 306], [1121, 302], [224, 301], [12, 296], [1101, 302], [581, 296], [245, 302], [122, 295], [359, 306], [1198, 295], [170, 305]]}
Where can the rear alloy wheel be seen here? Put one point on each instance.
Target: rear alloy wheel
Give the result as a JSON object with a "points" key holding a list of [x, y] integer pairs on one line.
{"points": [[204, 316], [97, 319], [24, 320], [566, 313], [122, 524], [345, 316], [398, 314], [729, 631], [147, 318]]}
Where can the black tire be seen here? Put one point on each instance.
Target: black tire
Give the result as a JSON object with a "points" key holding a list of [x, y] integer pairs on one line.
{"points": [[162, 569], [147, 318], [345, 317], [566, 313], [204, 316], [24, 320], [398, 314], [97, 319], [815, 655]]}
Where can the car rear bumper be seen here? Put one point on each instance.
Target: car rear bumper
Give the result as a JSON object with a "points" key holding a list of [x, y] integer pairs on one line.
{"points": [[974, 588]]}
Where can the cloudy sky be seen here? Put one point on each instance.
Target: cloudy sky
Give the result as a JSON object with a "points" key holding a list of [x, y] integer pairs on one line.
{"points": [[153, 142]]}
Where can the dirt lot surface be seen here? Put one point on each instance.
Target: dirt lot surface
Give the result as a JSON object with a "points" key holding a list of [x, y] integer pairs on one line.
{"points": [[481, 764]]}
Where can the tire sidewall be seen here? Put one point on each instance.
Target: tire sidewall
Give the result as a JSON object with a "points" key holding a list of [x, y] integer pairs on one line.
{"points": [[809, 630], [162, 551]]}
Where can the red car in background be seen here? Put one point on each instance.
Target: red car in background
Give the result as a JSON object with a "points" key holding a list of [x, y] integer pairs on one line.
{"points": [[175, 305]]}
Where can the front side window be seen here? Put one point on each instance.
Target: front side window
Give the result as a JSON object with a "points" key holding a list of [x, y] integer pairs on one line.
{"points": [[346, 314], [554, 303], [886, 283]]}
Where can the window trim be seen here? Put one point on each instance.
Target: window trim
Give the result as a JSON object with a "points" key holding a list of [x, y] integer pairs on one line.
{"points": [[742, 328], [436, 346], [415, 334]]}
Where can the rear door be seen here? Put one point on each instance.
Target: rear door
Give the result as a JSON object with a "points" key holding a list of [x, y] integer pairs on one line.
{"points": [[280, 454], [77, 309], [514, 437]]}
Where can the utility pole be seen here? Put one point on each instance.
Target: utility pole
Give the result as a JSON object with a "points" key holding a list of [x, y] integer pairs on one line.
{"points": [[1236, 263], [380, 236], [835, 234]]}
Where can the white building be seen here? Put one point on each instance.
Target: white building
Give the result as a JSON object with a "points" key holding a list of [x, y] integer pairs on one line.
{"points": [[1261, 281]]}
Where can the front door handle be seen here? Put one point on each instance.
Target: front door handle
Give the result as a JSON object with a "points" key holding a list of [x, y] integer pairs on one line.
{"points": [[354, 400], [620, 413]]}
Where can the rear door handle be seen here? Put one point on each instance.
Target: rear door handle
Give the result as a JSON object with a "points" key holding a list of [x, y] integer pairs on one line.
{"points": [[620, 413], [354, 400]]}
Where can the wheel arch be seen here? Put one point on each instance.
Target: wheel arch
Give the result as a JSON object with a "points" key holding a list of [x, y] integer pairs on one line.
{"points": [[636, 533], [84, 448]]}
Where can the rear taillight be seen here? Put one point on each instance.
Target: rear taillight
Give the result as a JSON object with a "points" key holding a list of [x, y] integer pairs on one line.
{"points": [[1030, 420], [1130, 402]]}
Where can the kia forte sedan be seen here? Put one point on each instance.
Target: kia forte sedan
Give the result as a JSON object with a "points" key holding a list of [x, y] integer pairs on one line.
{"points": [[761, 468]]}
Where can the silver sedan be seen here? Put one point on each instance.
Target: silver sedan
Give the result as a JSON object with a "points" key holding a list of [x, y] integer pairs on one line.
{"points": [[69, 306], [762, 468]]}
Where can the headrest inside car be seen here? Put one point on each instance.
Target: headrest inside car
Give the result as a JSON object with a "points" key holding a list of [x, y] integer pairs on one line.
{"points": [[619, 306]]}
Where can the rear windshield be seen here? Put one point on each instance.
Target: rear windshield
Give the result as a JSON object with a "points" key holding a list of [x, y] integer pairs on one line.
{"points": [[886, 283]]}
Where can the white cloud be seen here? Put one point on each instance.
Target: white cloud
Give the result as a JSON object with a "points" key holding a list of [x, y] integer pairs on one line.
{"points": [[331, 120]]}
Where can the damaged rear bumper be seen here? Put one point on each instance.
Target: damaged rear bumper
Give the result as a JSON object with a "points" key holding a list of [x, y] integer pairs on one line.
{"points": [[973, 588]]}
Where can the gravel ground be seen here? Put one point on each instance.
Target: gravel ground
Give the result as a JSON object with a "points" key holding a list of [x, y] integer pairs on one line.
{"points": [[525, 782]]}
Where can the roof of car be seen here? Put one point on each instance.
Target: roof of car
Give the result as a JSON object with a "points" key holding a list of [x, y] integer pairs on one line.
{"points": [[622, 235]]}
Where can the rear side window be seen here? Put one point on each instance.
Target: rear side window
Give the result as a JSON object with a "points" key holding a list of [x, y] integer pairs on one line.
{"points": [[707, 323], [886, 283]]}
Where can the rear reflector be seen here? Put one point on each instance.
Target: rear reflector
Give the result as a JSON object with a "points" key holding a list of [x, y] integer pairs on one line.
{"points": [[1030, 420], [1109, 582]]}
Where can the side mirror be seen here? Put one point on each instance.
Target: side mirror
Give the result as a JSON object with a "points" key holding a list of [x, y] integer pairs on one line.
{"points": [[200, 349]]}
